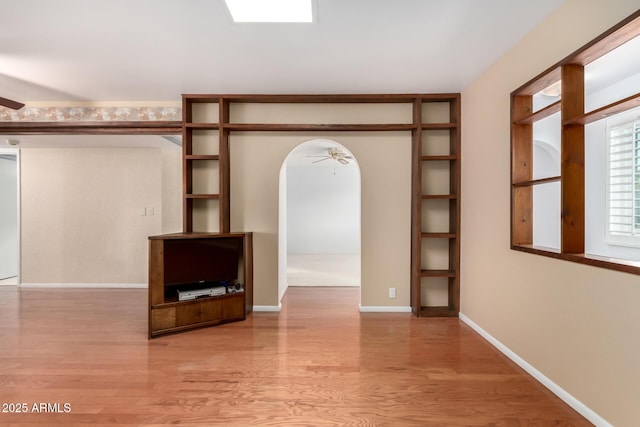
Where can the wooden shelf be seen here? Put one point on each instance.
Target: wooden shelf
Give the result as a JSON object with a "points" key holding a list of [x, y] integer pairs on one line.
{"points": [[438, 312], [321, 99], [606, 111], [439, 196], [439, 235], [540, 114], [437, 273], [173, 302], [537, 181], [202, 196], [292, 127], [202, 157], [438, 126], [435, 158]]}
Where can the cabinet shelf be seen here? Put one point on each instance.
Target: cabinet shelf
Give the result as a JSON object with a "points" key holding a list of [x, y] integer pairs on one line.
{"points": [[173, 302]]}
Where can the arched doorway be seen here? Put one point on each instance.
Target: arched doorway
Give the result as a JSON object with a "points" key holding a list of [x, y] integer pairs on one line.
{"points": [[319, 219]]}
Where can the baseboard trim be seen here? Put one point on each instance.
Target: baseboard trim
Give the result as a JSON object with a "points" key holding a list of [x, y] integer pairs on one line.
{"points": [[85, 285], [579, 407], [267, 308], [383, 309]]}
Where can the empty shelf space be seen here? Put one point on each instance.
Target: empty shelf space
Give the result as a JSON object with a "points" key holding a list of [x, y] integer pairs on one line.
{"points": [[202, 126], [435, 126]]}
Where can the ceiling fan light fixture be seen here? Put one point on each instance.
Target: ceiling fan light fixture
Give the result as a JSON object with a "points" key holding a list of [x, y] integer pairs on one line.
{"points": [[284, 11]]}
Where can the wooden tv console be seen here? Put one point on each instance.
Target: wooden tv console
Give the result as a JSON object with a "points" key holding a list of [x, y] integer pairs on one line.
{"points": [[168, 315]]}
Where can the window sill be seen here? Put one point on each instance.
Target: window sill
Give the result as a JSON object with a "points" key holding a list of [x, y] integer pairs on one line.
{"points": [[632, 267]]}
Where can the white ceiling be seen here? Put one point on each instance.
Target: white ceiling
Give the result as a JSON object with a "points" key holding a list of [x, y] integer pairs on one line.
{"points": [[155, 50]]}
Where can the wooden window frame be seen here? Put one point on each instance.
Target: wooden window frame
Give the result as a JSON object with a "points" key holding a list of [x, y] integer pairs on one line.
{"points": [[572, 173]]}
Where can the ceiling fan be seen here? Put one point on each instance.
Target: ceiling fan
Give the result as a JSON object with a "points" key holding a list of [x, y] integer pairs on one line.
{"points": [[14, 105], [334, 153]]}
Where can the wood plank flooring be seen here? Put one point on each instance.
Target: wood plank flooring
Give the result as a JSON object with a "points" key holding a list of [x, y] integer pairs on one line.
{"points": [[317, 363]]}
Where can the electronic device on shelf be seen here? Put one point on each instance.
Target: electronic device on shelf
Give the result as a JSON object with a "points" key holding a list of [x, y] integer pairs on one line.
{"points": [[186, 295], [234, 288]]}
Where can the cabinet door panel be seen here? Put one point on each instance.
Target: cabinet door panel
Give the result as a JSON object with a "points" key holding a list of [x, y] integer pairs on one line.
{"points": [[233, 308], [211, 310], [187, 314], [163, 318]]}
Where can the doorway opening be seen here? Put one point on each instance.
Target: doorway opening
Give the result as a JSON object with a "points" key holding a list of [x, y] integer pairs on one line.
{"points": [[9, 216], [319, 219]]}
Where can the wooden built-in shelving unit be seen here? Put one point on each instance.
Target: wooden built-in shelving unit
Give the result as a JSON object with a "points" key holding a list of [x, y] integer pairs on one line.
{"points": [[430, 113], [569, 74]]}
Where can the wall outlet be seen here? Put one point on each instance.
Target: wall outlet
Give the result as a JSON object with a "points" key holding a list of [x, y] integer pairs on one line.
{"points": [[392, 292], [151, 211]]}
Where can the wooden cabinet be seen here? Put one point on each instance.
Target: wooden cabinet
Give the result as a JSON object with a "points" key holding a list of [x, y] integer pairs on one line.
{"points": [[183, 261]]}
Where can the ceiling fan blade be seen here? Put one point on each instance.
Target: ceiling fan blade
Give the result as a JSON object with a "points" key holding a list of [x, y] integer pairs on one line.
{"points": [[343, 161], [14, 105], [321, 160], [328, 157]]}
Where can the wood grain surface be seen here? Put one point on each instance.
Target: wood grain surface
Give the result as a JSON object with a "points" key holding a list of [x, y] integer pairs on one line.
{"points": [[319, 362]]}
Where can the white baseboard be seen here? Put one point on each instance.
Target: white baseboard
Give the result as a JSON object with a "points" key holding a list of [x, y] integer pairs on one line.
{"points": [[267, 308], [383, 309], [580, 407], [85, 285]]}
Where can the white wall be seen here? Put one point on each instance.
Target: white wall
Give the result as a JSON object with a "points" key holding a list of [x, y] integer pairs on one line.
{"points": [[8, 216], [82, 216], [323, 209], [576, 324]]}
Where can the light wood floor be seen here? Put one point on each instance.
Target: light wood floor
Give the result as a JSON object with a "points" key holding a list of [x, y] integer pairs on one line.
{"points": [[317, 363]]}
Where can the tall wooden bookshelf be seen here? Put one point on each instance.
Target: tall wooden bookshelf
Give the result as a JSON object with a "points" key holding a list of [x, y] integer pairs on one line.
{"points": [[435, 245], [435, 193]]}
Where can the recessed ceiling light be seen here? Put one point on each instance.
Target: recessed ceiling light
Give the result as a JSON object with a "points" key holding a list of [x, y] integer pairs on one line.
{"points": [[270, 10]]}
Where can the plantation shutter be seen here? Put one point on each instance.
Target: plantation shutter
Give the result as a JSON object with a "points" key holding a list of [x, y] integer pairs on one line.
{"points": [[624, 180]]}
